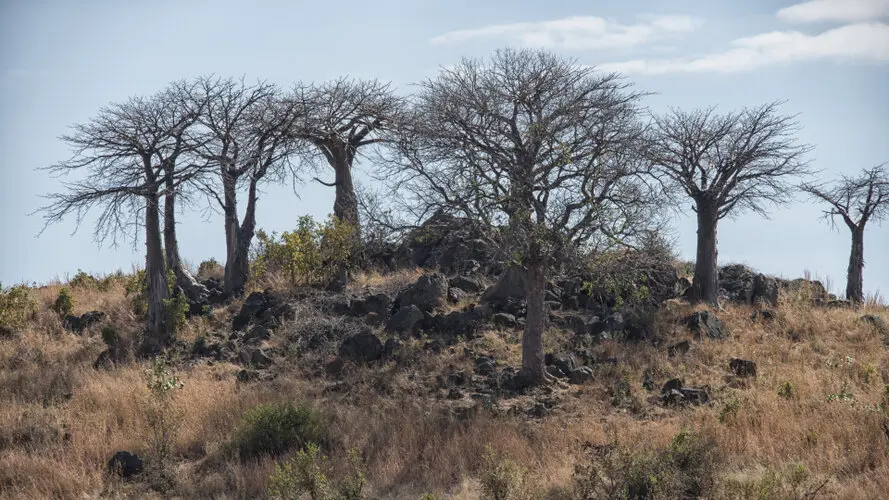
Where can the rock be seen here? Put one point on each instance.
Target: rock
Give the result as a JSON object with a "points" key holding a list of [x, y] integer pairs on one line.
{"points": [[254, 357], [429, 292], [391, 347], [455, 294], [674, 393], [364, 346], [765, 290], [243, 376], [840, 304], [580, 375], [406, 320], [764, 315], [807, 288], [648, 380], [510, 285], [257, 334], [516, 382], [505, 320], [253, 306], [466, 283], [125, 464], [334, 367], [742, 367], [461, 323], [706, 324], [484, 365], [742, 285], [105, 361], [571, 302], [875, 321], [78, 324], [678, 348], [434, 346], [672, 385], [379, 303], [555, 371], [565, 361], [682, 284]]}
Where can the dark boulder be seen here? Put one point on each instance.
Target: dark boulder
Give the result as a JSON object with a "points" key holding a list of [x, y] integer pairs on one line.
{"points": [[505, 320], [564, 360], [485, 365], [742, 285], [456, 295], [429, 292], [466, 283], [78, 324], [678, 348], [878, 323], [742, 367], [764, 315], [510, 285], [125, 464], [378, 303], [406, 321], [364, 346], [580, 375], [391, 347], [706, 324]]}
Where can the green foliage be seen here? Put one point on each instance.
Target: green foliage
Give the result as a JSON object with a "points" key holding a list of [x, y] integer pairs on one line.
{"points": [[83, 280], [210, 268], [787, 391], [163, 417], [136, 288], [63, 304], [308, 472], [685, 469], [309, 255], [729, 410], [110, 337], [277, 428], [175, 309], [502, 479], [16, 307]]}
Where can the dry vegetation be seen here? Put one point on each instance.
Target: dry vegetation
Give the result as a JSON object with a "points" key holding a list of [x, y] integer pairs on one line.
{"points": [[810, 423]]}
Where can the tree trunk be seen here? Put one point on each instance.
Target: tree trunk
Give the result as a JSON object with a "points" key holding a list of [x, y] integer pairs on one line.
{"points": [[194, 291], [156, 276], [235, 276], [705, 286], [854, 276], [535, 321]]}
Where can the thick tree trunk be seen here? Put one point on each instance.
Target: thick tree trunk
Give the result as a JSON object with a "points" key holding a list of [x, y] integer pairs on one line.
{"points": [[194, 291], [854, 276], [535, 321], [705, 286], [156, 276], [345, 205], [238, 236]]}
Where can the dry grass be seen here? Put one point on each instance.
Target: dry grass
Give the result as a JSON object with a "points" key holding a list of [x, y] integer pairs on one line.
{"points": [[60, 420]]}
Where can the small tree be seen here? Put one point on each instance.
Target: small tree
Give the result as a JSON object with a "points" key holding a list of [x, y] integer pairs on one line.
{"points": [[726, 164], [856, 200], [536, 145]]}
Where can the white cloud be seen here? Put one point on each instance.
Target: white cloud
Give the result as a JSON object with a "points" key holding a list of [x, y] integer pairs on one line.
{"points": [[862, 42], [579, 32], [847, 11]]}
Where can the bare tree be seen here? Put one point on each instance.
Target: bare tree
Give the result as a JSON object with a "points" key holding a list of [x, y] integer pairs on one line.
{"points": [[248, 143], [339, 118], [533, 143], [727, 164], [121, 157], [856, 201]]}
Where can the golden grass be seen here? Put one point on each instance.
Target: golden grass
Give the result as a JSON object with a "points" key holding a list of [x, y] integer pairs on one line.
{"points": [[60, 420]]}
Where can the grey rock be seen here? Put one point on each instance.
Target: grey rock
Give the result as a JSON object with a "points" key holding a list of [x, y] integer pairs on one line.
{"points": [[706, 324]]}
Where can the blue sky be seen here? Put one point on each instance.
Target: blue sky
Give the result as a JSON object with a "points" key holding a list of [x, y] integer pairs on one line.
{"points": [[60, 61]]}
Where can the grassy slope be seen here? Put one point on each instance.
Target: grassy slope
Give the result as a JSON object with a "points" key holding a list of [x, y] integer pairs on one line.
{"points": [[60, 419]]}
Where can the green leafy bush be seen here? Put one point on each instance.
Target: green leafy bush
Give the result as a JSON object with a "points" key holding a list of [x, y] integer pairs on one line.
{"points": [[210, 268], [277, 428], [309, 255], [136, 289], [308, 473], [502, 479], [175, 309], [63, 304], [16, 307]]}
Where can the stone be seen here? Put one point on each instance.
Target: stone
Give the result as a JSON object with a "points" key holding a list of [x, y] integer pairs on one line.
{"points": [[125, 464], [706, 324], [364, 346], [580, 375], [742, 367], [253, 306], [565, 361], [334, 367], [78, 324], [510, 285], [257, 334], [390, 347], [485, 365], [466, 284], [243, 376], [504, 320], [378, 303], [875, 321], [555, 371], [428, 293], [455, 294], [678, 348], [406, 320], [764, 315]]}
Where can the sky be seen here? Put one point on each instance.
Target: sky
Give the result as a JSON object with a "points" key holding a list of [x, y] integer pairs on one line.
{"points": [[60, 61]]}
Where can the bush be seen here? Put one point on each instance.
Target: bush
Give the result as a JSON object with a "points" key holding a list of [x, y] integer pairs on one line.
{"points": [[63, 304], [83, 280], [309, 255], [136, 288], [16, 307], [210, 268], [163, 417], [277, 428], [502, 479], [175, 310], [307, 473], [686, 468]]}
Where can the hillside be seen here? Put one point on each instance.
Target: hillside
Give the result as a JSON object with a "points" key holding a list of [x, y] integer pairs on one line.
{"points": [[413, 371]]}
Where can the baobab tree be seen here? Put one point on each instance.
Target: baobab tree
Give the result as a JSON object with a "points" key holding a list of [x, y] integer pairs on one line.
{"points": [[727, 164], [856, 201], [121, 158], [339, 118], [246, 140], [533, 143]]}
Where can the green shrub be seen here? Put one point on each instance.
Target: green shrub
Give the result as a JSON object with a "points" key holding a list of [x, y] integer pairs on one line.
{"points": [[685, 469], [308, 255], [502, 479], [210, 268], [277, 428], [83, 280], [175, 310], [163, 417], [308, 473], [136, 289], [729, 410], [787, 391], [16, 307], [63, 304], [110, 337]]}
